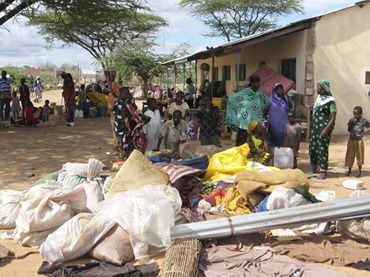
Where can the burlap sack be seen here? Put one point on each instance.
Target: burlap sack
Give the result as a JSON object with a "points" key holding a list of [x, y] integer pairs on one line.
{"points": [[136, 172], [253, 184], [114, 248]]}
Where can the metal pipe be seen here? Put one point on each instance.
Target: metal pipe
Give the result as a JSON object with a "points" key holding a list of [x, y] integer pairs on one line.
{"points": [[282, 218], [237, 71]]}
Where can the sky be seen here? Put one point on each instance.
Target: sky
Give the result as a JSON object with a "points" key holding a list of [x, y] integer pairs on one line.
{"points": [[21, 45]]}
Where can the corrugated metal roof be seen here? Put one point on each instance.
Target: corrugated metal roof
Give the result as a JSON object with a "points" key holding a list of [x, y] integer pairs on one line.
{"points": [[255, 38]]}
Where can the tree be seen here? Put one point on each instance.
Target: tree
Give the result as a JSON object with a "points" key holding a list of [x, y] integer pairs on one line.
{"points": [[233, 19], [12, 8], [99, 28], [138, 59]]}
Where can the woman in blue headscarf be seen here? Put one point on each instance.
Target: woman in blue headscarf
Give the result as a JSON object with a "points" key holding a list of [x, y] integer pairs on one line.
{"points": [[278, 115], [323, 120]]}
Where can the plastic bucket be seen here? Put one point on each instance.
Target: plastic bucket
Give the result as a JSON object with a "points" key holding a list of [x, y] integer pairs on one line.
{"points": [[217, 102], [283, 157]]}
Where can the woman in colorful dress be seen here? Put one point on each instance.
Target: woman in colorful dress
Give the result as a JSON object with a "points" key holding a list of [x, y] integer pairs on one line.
{"points": [[278, 116], [245, 106], [323, 120], [128, 127]]}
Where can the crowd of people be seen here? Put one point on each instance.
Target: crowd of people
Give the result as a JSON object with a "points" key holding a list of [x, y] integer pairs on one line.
{"points": [[20, 110], [265, 123], [261, 121]]}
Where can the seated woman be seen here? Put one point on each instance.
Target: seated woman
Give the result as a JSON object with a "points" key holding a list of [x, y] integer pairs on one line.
{"points": [[259, 149], [128, 127]]}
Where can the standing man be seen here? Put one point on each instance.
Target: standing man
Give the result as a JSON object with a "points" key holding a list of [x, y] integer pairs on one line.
{"points": [[5, 95], [24, 92], [69, 95]]}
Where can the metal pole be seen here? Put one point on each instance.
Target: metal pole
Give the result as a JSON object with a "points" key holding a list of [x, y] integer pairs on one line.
{"points": [[174, 77], [237, 71], [167, 83], [183, 77], [283, 218], [196, 74], [213, 68]]}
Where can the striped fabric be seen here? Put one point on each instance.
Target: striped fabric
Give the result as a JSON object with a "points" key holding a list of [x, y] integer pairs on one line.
{"points": [[177, 171]]}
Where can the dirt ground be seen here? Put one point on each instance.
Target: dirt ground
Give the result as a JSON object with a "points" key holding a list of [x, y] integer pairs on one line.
{"points": [[28, 154]]}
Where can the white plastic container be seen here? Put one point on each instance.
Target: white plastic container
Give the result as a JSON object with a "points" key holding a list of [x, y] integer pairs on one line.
{"points": [[283, 157]]}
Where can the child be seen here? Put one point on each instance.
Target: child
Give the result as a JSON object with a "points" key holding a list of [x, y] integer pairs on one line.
{"points": [[28, 114], [355, 146], [208, 117], [128, 128], [15, 108], [153, 128], [174, 132], [292, 133], [179, 105], [259, 149], [46, 110], [83, 100]]}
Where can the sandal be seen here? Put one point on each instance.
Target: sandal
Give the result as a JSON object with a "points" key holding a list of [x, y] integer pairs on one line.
{"points": [[322, 177]]}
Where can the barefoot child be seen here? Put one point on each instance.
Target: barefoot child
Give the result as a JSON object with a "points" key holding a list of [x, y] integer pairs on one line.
{"points": [[259, 149], [46, 110], [16, 107], [173, 132], [292, 133], [355, 146]]}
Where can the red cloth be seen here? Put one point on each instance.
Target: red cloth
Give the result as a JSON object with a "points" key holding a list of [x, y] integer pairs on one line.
{"points": [[25, 93], [269, 78], [28, 114], [69, 90]]}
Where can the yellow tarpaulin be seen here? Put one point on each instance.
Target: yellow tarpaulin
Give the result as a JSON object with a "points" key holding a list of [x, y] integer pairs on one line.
{"points": [[97, 98]]}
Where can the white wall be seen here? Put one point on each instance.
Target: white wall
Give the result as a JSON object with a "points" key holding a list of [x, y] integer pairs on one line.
{"points": [[271, 52], [342, 56]]}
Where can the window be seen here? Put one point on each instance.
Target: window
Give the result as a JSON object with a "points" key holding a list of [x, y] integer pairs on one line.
{"points": [[367, 78], [288, 68], [242, 73], [226, 72], [215, 74]]}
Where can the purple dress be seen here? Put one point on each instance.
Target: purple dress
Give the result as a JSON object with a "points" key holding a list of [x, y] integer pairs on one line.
{"points": [[278, 117]]}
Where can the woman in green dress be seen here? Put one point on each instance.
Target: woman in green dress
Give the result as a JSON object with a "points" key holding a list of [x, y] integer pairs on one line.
{"points": [[323, 120]]}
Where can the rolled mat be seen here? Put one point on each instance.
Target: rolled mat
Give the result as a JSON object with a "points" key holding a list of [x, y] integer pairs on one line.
{"points": [[182, 259]]}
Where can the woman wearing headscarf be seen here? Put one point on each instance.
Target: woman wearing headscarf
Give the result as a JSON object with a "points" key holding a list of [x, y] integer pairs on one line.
{"points": [[128, 127], [278, 115], [259, 149], [245, 106], [112, 97], [323, 120]]}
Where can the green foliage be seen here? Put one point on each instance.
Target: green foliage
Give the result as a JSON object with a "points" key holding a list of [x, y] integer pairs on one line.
{"points": [[99, 27], [18, 74], [233, 19], [138, 58]]}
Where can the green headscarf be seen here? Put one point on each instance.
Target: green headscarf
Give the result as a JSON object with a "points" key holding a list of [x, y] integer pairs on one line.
{"points": [[325, 86]]}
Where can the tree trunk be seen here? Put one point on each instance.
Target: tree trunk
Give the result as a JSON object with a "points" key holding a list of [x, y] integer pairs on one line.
{"points": [[110, 76], [145, 87]]}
